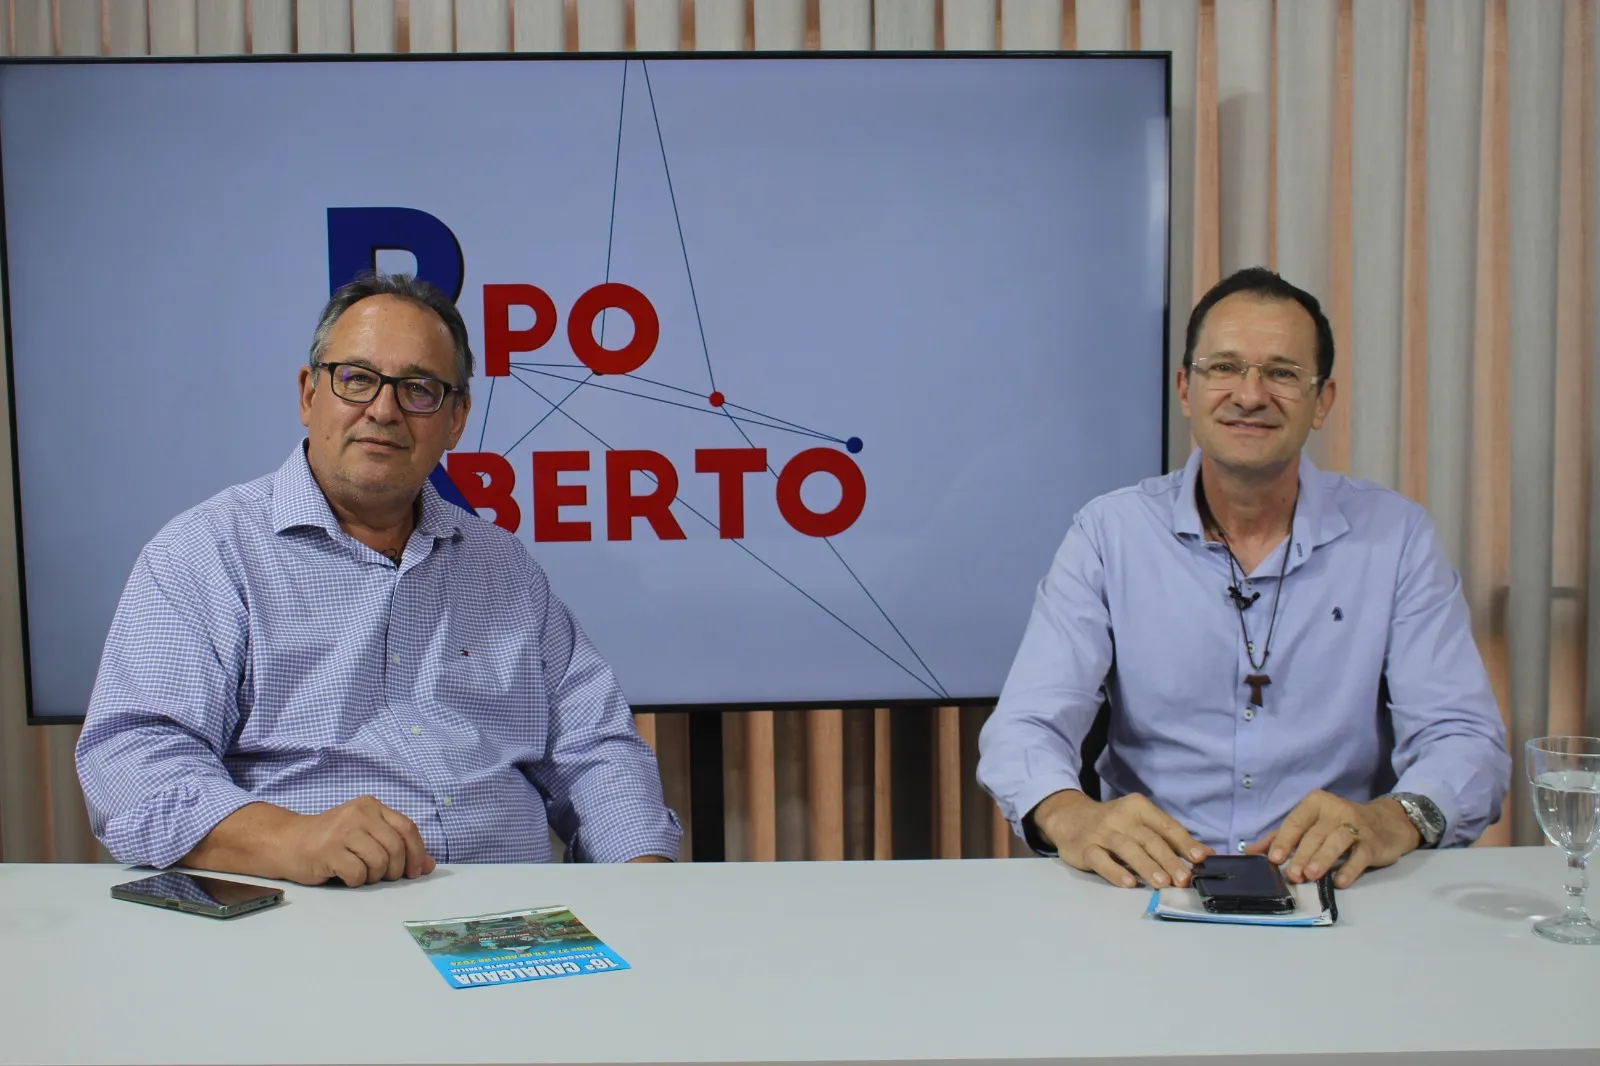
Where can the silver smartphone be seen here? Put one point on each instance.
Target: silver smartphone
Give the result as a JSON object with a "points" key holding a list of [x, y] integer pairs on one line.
{"points": [[197, 894]]}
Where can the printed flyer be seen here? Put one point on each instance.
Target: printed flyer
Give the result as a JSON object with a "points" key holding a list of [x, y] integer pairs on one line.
{"points": [[500, 949]]}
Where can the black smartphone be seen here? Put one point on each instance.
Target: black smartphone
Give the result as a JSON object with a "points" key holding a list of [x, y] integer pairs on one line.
{"points": [[196, 894], [1242, 884]]}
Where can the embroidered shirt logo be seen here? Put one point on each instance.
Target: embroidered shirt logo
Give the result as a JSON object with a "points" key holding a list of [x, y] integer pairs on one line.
{"points": [[1338, 615]]}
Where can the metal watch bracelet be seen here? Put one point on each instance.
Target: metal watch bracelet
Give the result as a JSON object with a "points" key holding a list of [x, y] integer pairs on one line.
{"points": [[1424, 814]]}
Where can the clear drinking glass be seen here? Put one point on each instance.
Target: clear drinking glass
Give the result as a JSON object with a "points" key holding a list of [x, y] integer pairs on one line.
{"points": [[1564, 773]]}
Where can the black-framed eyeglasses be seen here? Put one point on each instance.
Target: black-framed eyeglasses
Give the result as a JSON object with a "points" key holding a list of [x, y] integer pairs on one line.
{"points": [[359, 384]]}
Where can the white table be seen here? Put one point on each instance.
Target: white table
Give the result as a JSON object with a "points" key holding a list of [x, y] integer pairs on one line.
{"points": [[1011, 960]]}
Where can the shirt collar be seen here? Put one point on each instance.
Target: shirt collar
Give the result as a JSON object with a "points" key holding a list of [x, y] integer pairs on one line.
{"points": [[1317, 517], [298, 502], [440, 518]]}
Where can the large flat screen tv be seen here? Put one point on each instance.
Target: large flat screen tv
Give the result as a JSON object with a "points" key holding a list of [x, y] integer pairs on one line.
{"points": [[791, 371]]}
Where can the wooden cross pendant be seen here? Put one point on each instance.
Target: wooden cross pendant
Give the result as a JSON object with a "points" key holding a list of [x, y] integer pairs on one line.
{"points": [[1257, 682]]}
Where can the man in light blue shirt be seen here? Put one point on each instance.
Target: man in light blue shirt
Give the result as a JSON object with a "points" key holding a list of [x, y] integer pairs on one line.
{"points": [[1285, 652], [331, 673]]}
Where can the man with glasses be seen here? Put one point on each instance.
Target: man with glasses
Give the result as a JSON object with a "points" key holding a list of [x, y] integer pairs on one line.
{"points": [[1284, 654], [330, 673]]}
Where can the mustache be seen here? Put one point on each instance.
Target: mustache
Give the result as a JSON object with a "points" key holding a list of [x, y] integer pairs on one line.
{"points": [[382, 438]]}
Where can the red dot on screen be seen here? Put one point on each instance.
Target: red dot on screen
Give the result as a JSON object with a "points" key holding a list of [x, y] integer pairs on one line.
{"points": [[716, 399]]}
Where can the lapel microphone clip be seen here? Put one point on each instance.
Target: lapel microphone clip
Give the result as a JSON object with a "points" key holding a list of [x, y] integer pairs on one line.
{"points": [[1240, 600]]}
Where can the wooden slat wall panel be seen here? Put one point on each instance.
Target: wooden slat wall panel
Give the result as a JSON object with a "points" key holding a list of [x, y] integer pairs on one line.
{"points": [[1574, 329], [1027, 25], [1272, 140], [735, 788], [719, 26], [845, 25], [78, 22], [1488, 548], [1170, 25], [882, 786], [996, 835], [947, 783], [1336, 298], [322, 25], [1413, 470], [1244, 162], [1371, 376], [31, 20], [538, 26], [1454, 95], [978, 836], [645, 725], [602, 26], [174, 27], [789, 785], [658, 25], [1207, 240], [1305, 76], [858, 765], [780, 25], [672, 753], [432, 26], [374, 27], [271, 27], [1102, 25], [1591, 343], [128, 32], [903, 25], [825, 783], [219, 27], [761, 816], [1534, 56], [969, 26], [483, 25]]}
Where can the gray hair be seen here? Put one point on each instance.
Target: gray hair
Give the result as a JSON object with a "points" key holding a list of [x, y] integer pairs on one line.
{"points": [[403, 287]]}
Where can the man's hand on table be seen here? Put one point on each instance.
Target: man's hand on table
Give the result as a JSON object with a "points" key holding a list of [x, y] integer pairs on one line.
{"points": [[1323, 827], [1118, 836], [360, 842]]}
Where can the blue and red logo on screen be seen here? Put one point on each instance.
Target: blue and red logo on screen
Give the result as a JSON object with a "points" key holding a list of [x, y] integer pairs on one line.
{"points": [[481, 479]]}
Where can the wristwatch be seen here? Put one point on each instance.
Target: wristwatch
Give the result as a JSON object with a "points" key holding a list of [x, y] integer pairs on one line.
{"points": [[1424, 814]]}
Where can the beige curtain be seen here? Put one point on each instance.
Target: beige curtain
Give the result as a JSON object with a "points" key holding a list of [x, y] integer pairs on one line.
{"points": [[1427, 166]]}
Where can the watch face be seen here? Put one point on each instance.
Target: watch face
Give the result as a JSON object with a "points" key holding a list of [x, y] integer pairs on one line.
{"points": [[1425, 816]]}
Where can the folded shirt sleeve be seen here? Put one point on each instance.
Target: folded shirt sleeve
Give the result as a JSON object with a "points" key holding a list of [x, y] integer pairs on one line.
{"points": [[1449, 737], [163, 711], [1030, 747], [601, 782]]}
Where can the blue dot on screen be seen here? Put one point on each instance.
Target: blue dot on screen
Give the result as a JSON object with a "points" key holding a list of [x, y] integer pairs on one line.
{"points": [[853, 445]]}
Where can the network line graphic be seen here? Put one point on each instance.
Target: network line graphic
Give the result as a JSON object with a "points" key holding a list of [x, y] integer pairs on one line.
{"points": [[555, 383]]}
